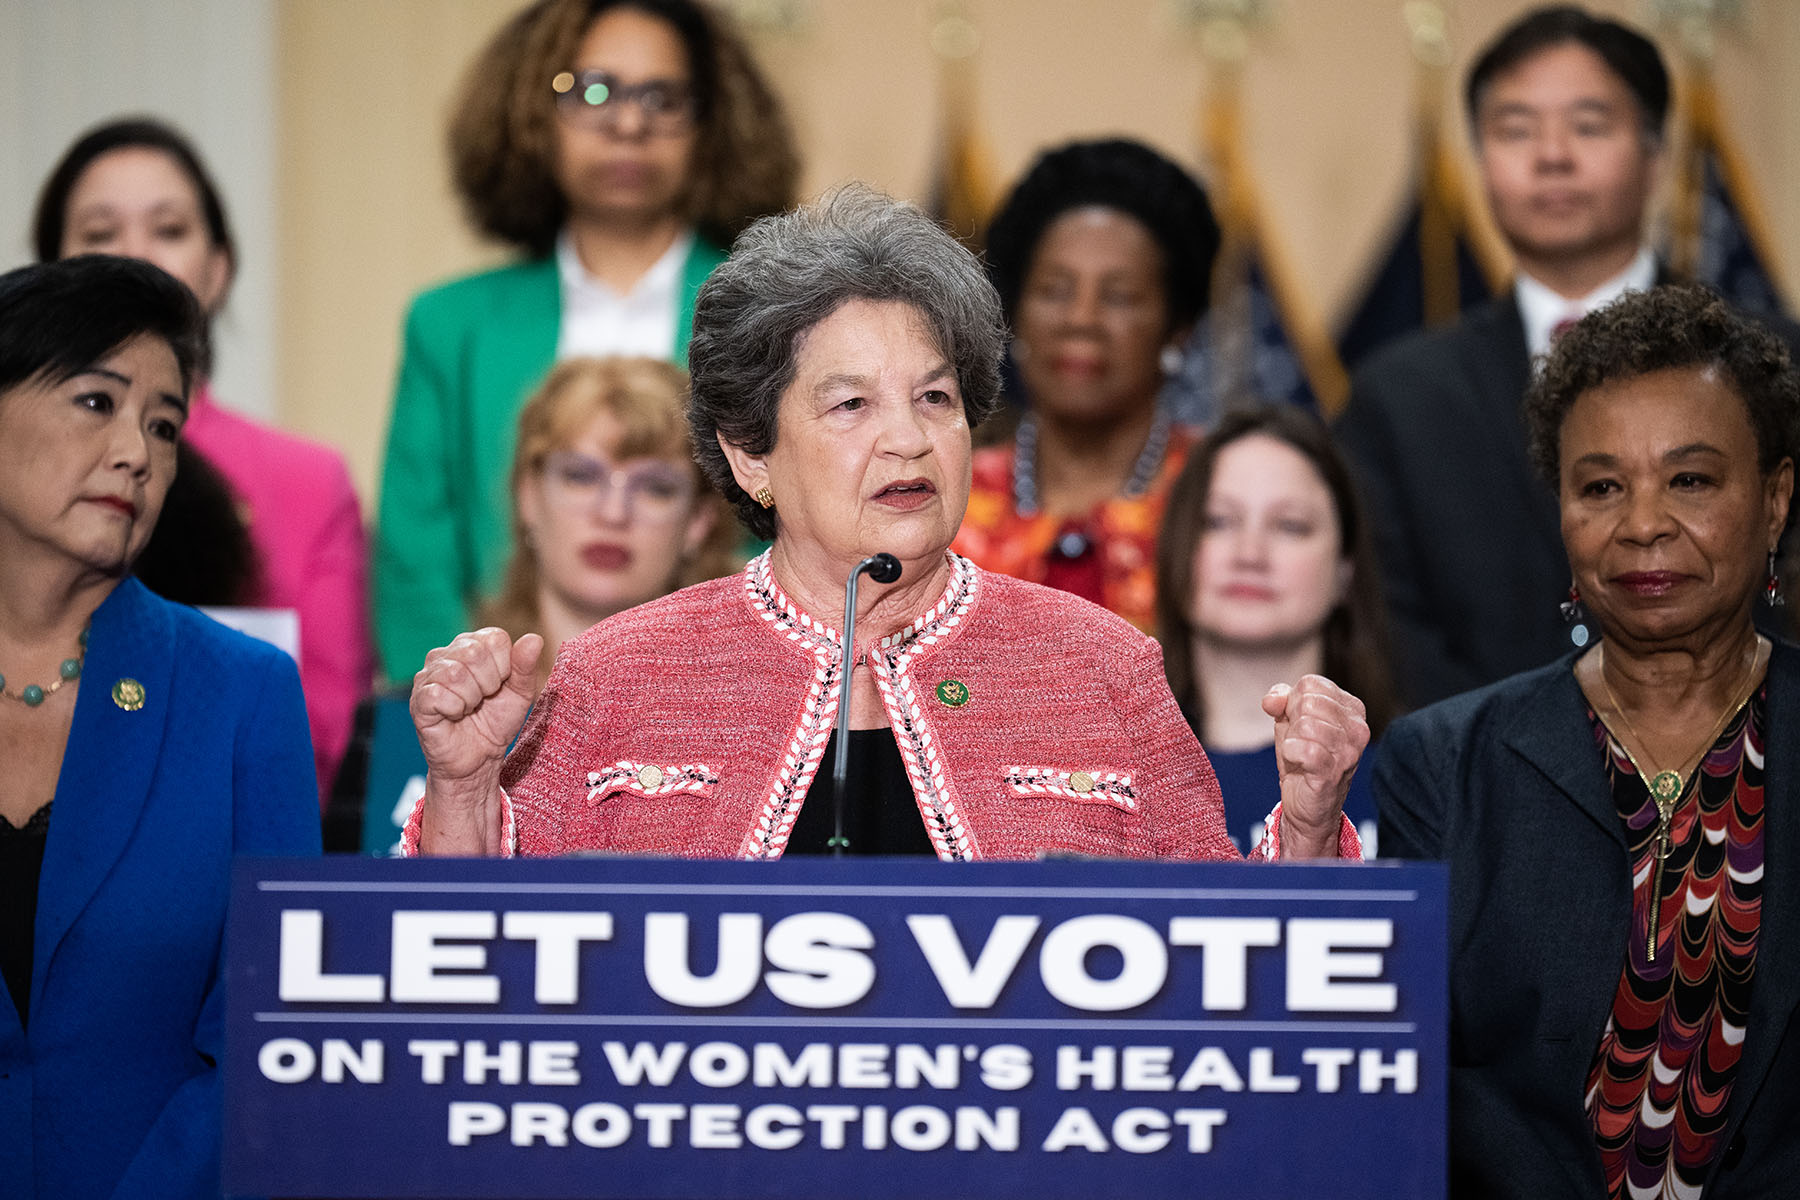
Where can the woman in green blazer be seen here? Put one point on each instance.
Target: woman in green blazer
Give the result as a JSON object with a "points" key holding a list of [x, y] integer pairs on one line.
{"points": [[620, 144]]}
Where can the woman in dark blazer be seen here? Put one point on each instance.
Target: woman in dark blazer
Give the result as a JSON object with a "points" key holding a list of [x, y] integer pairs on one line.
{"points": [[1622, 826], [145, 745]]}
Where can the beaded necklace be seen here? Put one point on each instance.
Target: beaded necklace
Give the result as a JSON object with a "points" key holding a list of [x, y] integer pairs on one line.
{"points": [[1143, 471], [32, 695]]}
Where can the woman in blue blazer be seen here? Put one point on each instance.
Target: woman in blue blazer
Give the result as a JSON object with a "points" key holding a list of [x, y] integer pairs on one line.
{"points": [[146, 746]]}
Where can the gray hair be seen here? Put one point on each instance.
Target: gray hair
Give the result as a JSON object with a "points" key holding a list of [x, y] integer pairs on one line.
{"points": [[789, 272]]}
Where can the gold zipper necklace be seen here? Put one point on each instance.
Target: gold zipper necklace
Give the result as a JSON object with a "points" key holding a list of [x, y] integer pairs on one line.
{"points": [[1668, 787]]}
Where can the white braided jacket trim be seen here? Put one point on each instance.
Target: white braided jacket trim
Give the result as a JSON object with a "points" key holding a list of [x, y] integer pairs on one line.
{"points": [[1103, 786], [768, 837], [889, 662], [627, 775], [509, 828], [1269, 849]]}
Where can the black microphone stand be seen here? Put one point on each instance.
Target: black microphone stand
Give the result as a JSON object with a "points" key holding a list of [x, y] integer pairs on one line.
{"points": [[882, 568]]}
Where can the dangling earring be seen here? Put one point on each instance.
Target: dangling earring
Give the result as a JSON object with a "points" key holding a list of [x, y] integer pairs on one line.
{"points": [[1772, 589], [1171, 360], [1571, 608]]}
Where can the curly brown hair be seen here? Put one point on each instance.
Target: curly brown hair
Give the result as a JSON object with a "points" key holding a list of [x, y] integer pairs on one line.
{"points": [[503, 129]]}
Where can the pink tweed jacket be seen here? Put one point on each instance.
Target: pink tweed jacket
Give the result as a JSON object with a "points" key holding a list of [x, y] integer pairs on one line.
{"points": [[1028, 721]]}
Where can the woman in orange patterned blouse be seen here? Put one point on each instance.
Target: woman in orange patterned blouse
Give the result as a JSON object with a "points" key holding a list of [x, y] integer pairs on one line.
{"points": [[1102, 255], [1621, 826]]}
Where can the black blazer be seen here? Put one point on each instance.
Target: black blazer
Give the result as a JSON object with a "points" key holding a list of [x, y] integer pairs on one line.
{"points": [[1507, 785], [1468, 536]]}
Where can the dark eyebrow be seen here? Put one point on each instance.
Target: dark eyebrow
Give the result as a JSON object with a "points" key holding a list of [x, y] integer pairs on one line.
{"points": [[1692, 449], [938, 372], [1508, 108], [1593, 104], [840, 379], [1520, 108], [116, 377], [849, 379]]}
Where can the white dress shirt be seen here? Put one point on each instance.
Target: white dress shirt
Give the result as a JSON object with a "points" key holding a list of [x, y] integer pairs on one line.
{"points": [[1543, 310], [597, 320]]}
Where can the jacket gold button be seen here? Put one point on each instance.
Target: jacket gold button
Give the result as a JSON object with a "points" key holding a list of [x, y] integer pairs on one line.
{"points": [[650, 777], [1081, 783]]}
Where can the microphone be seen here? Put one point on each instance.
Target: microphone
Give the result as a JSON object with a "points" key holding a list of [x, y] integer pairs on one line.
{"points": [[882, 568]]}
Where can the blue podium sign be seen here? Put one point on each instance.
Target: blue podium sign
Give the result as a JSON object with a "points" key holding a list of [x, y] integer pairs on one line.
{"points": [[883, 1029]]}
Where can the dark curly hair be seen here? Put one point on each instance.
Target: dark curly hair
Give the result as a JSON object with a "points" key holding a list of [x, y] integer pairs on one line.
{"points": [[1123, 175], [1664, 329], [1627, 53], [503, 129], [788, 273]]}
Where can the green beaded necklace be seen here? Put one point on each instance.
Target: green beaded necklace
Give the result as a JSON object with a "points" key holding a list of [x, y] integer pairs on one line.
{"points": [[31, 695]]}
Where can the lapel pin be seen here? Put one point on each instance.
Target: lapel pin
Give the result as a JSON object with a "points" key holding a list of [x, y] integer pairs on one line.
{"points": [[953, 693], [128, 694]]}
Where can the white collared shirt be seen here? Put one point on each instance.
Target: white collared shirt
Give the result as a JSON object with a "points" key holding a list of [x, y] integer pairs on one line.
{"points": [[597, 320], [1543, 310]]}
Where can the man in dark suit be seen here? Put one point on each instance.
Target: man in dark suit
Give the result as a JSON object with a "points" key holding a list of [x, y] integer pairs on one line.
{"points": [[1568, 112]]}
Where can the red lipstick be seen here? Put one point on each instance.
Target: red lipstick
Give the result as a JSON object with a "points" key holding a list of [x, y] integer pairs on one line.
{"points": [[606, 556], [1649, 584], [1079, 365], [117, 503]]}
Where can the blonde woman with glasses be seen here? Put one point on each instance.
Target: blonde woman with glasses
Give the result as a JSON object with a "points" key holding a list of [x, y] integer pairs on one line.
{"points": [[609, 508]]}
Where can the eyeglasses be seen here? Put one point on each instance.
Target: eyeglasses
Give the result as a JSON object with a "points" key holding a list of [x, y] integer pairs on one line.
{"points": [[595, 100], [654, 492]]}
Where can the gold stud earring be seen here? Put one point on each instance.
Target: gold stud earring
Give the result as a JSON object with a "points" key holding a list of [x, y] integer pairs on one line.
{"points": [[764, 497]]}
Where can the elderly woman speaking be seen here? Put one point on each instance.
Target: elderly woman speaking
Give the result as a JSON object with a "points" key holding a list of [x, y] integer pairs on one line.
{"points": [[1625, 1000], [839, 359]]}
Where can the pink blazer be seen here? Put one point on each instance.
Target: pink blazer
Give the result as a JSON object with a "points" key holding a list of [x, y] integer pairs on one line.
{"points": [[308, 532], [1028, 720]]}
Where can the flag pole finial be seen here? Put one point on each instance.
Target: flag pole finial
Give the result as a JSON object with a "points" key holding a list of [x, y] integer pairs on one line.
{"points": [[1429, 27], [771, 18], [954, 34], [1695, 24], [1224, 26]]}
